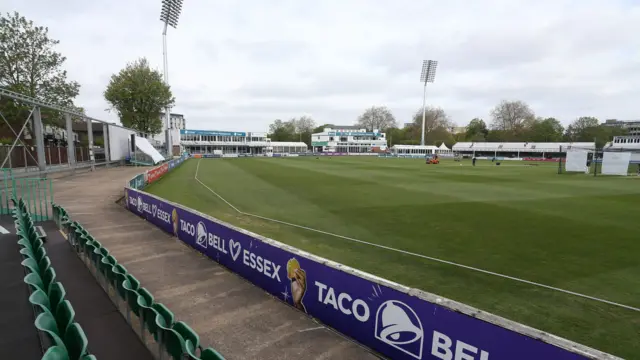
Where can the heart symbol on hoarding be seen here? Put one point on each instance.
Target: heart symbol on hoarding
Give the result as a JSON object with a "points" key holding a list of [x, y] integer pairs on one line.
{"points": [[234, 248], [154, 210]]}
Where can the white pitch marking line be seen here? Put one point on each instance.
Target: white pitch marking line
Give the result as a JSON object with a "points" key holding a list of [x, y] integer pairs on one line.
{"points": [[311, 329], [420, 255]]}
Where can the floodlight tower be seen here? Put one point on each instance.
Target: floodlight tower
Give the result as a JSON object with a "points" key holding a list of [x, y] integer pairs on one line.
{"points": [[428, 75], [169, 16]]}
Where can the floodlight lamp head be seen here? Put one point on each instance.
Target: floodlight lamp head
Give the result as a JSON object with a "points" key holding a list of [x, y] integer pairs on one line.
{"points": [[428, 74], [171, 12]]}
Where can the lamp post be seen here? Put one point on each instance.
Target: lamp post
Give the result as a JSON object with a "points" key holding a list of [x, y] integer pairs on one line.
{"points": [[428, 75], [169, 16]]}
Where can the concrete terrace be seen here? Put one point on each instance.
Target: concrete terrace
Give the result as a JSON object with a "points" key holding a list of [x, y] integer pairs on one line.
{"points": [[238, 319]]}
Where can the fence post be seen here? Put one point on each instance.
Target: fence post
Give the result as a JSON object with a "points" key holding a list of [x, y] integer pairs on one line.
{"points": [[40, 197], [560, 161], [39, 134], [71, 150]]}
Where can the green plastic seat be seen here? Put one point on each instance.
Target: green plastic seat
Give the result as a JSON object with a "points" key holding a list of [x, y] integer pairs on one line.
{"points": [[89, 357], [106, 266], [41, 283], [76, 341], [97, 255], [57, 294], [190, 354], [35, 255], [131, 291], [165, 313], [27, 232], [40, 300], [135, 283], [64, 315], [120, 278], [86, 247], [25, 244], [111, 273], [164, 322], [31, 265], [210, 354], [58, 352], [33, 245], [44, 264], [82, 242], [192, 340], [47, 324], [143, 301], [146, 296], [150, 315], [35, 281], [97, 243], [90, 253], [79, 232], [174, 344]]}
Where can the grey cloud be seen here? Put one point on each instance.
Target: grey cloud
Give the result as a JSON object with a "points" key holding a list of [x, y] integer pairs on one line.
{"points": [[268, 50], [239, 66], [322, 85]]}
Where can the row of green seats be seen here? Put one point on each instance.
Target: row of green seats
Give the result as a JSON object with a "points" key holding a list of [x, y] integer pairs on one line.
{"points": [[65, 339], [175, 338]]}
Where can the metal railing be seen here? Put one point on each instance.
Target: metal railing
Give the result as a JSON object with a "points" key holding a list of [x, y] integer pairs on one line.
{"points": [[37, 194]]}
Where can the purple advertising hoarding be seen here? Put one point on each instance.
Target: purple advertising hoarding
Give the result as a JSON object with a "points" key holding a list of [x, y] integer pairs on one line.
{"points": [[383, 318]]}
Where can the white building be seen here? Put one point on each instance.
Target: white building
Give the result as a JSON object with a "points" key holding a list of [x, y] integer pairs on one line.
{"points": [[519, 149], [283, 147], [633, 126], [349, 139], [224, 142], [420, 151], [176, 121], [629, 143]]}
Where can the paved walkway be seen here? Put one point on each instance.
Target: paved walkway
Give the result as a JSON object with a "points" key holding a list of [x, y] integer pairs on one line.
{"points": [[230, 314], [109, 335]]}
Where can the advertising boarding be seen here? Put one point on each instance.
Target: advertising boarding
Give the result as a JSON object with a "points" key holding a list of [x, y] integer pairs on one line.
{"points": [[395, 321]]}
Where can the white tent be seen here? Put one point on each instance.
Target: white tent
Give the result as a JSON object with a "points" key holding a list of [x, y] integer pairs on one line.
{"points": [[119, 138], [143, 145], [443, 147]]}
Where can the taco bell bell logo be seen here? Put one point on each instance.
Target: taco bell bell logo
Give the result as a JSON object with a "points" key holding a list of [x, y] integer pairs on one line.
{"points": [[399, 326], [201, 234], [140, 204]]}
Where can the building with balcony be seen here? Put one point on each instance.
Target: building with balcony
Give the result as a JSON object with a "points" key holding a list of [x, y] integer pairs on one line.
{"points": [[349, 139], [176, 121], [223, 142], [633, 126]]}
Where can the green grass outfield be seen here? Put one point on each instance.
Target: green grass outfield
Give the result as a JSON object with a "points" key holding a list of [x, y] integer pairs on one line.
{"points": [[574, 232]]}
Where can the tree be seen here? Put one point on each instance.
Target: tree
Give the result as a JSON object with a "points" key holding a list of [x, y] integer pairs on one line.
{"points": [[587, 128], [304, 124], [30, 65], [511, 115], [377, 118], [321, 128], [282, 130], [434, 118], [578, 129], [544, 130], [476, 130], [138, 94], [294, 130], [441, 135]]}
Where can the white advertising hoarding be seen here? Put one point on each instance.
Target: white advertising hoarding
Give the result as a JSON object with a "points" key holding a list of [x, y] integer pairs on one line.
{"points": [[576, 161], [616, 163]]}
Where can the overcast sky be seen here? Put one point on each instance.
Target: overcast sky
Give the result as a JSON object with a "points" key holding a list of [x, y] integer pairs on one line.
{"points": [[238, 65]]}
